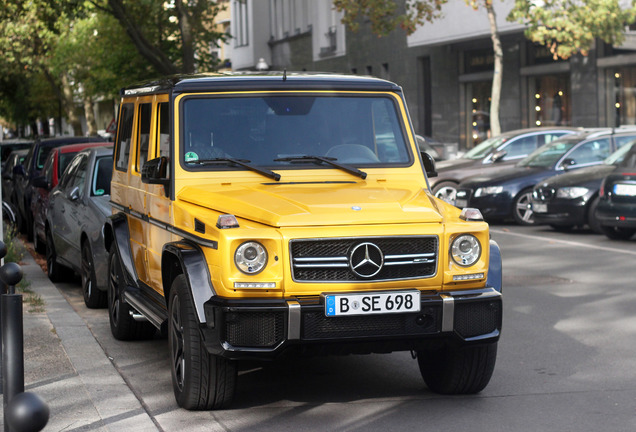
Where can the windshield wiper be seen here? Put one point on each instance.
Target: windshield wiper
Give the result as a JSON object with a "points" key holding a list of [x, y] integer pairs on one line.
{"points": [[240, 162], [321, 159]]}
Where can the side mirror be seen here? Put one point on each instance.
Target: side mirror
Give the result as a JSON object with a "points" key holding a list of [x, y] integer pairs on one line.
{"points": [[155, 171], [567, 163], [40, 182], [74, 194], [429, 164], [499, 155]]}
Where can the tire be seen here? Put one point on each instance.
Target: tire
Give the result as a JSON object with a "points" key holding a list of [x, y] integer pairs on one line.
{"points": [[122, 325], [53, 269], [592, 220], [458, 370], [94, 298], [37, 244], [200, 380], [521, 209], [616, 233], [446, 191]]}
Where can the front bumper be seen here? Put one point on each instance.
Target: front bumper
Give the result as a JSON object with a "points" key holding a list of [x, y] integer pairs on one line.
{"points": [[492, 206], [254, 329], [561, 211]]}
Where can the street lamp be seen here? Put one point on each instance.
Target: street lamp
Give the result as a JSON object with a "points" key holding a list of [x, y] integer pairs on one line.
{"points": [[262, 65]]}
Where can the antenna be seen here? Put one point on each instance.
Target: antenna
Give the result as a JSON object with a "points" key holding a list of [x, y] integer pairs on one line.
{"points": [[285, 74]]}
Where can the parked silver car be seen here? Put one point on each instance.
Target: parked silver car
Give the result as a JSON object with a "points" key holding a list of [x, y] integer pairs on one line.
{"points": [[77, 208]]}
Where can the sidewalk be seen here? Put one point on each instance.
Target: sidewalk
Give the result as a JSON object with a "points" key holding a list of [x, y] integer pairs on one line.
{"points": [[65, 365]]}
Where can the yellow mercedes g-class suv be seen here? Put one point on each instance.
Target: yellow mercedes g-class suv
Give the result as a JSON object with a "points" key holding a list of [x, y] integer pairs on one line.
{"points": [[258, 214]]}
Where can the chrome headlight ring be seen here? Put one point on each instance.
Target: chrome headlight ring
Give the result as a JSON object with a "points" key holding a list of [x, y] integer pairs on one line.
{"points": [[250, 257], [465, 250]]}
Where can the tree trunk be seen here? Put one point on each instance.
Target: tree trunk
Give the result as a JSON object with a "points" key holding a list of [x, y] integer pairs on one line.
{"points": [[187, 41], [91, 124], [69, 107], [495, 97], [154, 55]]}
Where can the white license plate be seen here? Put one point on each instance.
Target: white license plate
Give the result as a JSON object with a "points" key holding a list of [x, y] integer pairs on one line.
{"points": [[539, 208], [625, 189], [372, 303], [461, 203]]}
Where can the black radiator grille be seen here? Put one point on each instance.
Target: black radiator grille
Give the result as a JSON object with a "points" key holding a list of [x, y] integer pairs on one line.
{"points": [[327, 260]]}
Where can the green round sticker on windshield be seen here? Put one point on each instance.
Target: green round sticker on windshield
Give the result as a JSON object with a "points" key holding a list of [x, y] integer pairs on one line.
{"points": [[191, 156], [99, 192]]}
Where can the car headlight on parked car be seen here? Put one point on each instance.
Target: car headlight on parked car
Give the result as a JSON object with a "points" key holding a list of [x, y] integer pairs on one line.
{"points": [[465, 250], [488, 190], [250, 257], [571, 192]]}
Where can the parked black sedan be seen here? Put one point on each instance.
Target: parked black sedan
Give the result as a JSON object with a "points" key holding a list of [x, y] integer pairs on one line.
{"points": [[616, 211], [507, 193], [494, 153], [570, 200]]}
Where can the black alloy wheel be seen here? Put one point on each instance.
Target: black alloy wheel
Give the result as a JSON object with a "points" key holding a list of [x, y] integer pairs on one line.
{"points": [[94, 298]]}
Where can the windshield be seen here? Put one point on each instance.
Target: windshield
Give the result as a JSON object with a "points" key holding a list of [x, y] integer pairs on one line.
{"points": [[272, 130], [546, 156], [484, 148], [623, 157]]}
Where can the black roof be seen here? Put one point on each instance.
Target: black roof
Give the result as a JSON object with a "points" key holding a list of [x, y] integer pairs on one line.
{"points": [[260, 81]]}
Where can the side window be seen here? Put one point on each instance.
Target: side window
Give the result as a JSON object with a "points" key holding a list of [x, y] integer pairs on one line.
{"points": [[163, 129], [101, 176], [79, 177], [591, 152], [124, 134], [521, 147], [69, 174], [145, 116], [549, 137], [622, 140]]}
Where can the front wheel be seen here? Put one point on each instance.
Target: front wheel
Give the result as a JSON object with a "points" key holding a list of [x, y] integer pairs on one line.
{"points": [[446, 191], [522, 208], [616, 233], [592, 220], [200, 380], [458, 370]]}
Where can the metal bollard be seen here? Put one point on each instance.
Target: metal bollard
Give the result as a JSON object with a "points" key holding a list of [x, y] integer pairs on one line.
{"points": [[12, 337], [3, 290]]}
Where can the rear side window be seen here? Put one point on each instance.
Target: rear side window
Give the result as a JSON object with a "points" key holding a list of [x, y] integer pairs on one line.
{"points": [[124, 135], [101, 176], [521, 147], [145, 116]]}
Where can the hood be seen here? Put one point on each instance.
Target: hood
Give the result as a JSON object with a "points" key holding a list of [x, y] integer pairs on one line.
{"points": [[580, 177], [453, 164], [501, 176], [320, 203]]}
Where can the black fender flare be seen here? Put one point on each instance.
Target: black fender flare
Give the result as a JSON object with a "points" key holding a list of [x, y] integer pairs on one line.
{"points": [[116, 232], [495, 268], [187, 257]]}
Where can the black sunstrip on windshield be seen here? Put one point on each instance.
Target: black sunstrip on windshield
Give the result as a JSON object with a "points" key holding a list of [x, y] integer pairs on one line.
{"points": [[276, 131]]}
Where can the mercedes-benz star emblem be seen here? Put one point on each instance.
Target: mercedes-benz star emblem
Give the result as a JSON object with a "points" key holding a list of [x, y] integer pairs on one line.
{"points": [[366, 260]]}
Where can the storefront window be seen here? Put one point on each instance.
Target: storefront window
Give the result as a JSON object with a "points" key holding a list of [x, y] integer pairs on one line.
{"points": [[480, 108], [550, 100], [625, 96]]}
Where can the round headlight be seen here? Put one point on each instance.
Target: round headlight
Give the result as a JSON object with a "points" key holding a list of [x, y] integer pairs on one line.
{"points": [[465, 250], [250, 257]]}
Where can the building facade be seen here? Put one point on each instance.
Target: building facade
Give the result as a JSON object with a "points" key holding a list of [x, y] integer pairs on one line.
{"points": [[446, 67]]}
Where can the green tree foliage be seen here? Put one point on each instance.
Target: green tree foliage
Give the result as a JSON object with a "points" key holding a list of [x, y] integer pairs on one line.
{"points": [[386, 16], [569, 27]]}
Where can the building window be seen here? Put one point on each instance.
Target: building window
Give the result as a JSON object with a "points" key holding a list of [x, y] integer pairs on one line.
{"points": [[288, 18], [240, 23], [624, 96], [550, 100]]}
